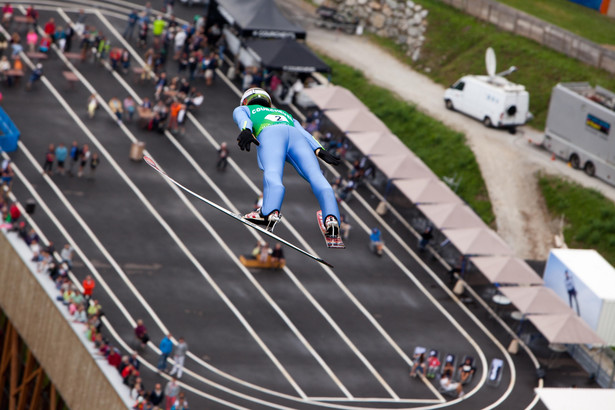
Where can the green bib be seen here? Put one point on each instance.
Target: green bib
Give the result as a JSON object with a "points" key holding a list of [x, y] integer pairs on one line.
{"points": [[263, 117]]}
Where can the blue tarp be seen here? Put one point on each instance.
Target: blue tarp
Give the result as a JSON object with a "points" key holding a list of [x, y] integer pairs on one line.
{"points": [[592, 4], [9, 134]]}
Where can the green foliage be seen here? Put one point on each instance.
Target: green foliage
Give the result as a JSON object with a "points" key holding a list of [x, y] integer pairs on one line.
{"points": [[589, 216], [573, 17], [456, 42], [442, 149]]}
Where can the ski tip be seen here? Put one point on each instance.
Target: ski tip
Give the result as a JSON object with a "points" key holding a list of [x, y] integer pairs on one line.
{"points": [[152, 164]]}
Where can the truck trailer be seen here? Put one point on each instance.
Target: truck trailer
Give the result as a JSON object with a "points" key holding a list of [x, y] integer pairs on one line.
{"points": [[586, 282], [579, 128]]}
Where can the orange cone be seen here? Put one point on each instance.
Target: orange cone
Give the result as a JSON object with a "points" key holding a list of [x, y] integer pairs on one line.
{"points": [[552, 157]]}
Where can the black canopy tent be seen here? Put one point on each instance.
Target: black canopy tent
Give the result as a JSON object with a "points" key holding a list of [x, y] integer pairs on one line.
{"points": [[257, 18], [286, 55]]}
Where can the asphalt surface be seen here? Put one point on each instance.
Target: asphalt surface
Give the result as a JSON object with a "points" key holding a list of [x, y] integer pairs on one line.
{"points": [[303, 337]]}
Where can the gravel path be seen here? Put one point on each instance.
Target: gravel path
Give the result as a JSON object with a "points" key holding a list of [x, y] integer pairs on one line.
{"points": [[509, 163]]}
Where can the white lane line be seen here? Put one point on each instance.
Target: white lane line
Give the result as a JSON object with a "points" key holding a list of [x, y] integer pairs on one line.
{"points": [[296, 234], [148, 205], [220, 241], [101, 281]]}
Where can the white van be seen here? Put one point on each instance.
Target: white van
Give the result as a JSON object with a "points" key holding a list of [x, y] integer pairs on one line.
{"points": [[491, 99]]}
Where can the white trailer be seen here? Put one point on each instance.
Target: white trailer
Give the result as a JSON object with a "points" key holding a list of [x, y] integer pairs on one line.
{"points": [[585, 281], [579, 128]]}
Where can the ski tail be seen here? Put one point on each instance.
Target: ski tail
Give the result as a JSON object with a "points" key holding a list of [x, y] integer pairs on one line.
{"points": [[239, 218]]}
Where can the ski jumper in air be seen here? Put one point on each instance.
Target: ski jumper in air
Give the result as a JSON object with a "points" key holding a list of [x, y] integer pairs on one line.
{"points": [[280, 139]]}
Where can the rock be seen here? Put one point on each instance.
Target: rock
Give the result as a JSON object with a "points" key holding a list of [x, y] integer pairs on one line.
{"points": [[377, 20], [409, 4], [375, 6]]}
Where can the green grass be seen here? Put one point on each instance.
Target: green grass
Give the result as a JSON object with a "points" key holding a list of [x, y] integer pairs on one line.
{"points": [[455, 45], [573, 17], [432, 141], [589, 216]]}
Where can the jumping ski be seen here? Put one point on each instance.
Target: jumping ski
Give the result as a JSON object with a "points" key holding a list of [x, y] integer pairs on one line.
{"points": [[332, 241], [237, 217]]}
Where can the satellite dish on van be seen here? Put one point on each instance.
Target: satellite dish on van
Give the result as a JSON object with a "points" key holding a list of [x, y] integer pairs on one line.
{"points": [[490, 62]]}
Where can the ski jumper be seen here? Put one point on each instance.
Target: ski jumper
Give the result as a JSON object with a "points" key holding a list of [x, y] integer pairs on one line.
{"points": [[283, 139]]}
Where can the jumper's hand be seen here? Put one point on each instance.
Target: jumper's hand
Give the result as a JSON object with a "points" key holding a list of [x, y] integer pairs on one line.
{"points": [[327, 157], [245, 138]]}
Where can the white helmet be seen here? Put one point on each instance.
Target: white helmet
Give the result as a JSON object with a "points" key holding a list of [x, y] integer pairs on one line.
{"points": [[256, 96]]}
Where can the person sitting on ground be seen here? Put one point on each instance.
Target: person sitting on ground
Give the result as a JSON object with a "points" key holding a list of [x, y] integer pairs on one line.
{"points": [[419, 365], [447, 383], [433, 364], [277, 256], [466, 369]]}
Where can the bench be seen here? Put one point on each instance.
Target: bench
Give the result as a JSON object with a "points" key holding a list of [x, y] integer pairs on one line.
{"points": [[36, 55], [73, 56], [255, 263], [71, 78]]}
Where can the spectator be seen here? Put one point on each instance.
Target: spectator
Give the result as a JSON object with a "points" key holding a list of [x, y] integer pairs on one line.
{"points": [[134, 360], [222, 157], [88, 287], [344, 227], [141, 333], [80, 315], [67, 255], [133, 17], [49, 160], [129, 107], [166, 347], [35, 76], [448, 385], [75, 153], [114, 358], [138, 388], [433, 364], [92, 105], [277, 256], [94, 163], [418, 367], [466, 369], [171, 391], [426, 236], [84, 157], [179, 357], [31, 40], [115, 105], [50, 27], [180, 403], [94, 309], [376, 244], [61, 153], [156, 396], [7, 13]]}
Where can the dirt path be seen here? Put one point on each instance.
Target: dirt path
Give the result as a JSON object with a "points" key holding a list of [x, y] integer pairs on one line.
{"points": [[509, 163]]}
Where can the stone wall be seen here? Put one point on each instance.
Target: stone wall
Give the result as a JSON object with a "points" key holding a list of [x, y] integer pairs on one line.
{"points": [[549, 35], [400, 20]]}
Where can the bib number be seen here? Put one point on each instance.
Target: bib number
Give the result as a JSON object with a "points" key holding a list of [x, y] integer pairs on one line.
{"points": [[276, 118]]}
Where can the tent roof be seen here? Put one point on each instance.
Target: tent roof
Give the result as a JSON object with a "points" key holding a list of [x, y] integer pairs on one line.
{"points": [[566, 328], [405, 165], [356, 120], [259, 18], [506, 269], [377, 143], [555, 398], [535, 299], [425, 189], [451, 215], [286, 55], [478, 241], [333, 98]]}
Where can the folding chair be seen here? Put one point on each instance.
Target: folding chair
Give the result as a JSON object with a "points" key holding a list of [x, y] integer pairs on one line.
{"points": [[494, 377], [433, 363], [466, 367]]}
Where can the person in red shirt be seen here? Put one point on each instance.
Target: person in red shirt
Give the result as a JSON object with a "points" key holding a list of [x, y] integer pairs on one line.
{"points": [[50, 27], [88, 287]]}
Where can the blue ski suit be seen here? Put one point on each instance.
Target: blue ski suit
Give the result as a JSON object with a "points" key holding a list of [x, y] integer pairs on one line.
{"points": [[283, 139]]}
